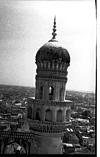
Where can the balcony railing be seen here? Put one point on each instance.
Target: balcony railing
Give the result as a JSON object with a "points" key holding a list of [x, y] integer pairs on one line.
{"points": [[66, 103], [51, 127]]}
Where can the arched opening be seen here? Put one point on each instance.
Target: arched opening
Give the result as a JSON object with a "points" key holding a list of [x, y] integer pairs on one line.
{"points": [[29, 114], [48, 115], [38, 115], [67, 115], [14, 148], [59, 116], [41, 92], [51, 93]]}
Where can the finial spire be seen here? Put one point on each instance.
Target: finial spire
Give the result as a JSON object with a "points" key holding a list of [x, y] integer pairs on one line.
{"points": [[54, 29]]}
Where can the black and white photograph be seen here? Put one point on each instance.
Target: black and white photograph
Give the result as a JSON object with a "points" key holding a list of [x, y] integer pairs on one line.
{"points": [[48, 85]]}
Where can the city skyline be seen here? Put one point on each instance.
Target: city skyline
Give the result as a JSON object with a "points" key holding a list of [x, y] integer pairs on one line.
{"points": [[26, 26]]}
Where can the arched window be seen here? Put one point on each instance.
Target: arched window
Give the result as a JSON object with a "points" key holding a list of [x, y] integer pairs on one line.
{"points": [[12, 148], [67, 115], [29, 112], [59, 116], [51, 93], [38, 115], [41, 92], [48, 115]]}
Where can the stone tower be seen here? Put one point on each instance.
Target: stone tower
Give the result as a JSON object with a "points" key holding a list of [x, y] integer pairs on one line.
{"points": [[49, 113]]}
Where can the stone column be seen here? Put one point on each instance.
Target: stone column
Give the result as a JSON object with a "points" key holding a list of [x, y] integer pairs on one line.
{"points": [[57, 87], [54, 114], [46, 91], [43, 113], [64, 115]]}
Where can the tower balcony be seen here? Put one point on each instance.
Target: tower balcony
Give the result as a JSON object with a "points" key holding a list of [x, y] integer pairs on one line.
{"points": [[48, 127], [41, 102]]}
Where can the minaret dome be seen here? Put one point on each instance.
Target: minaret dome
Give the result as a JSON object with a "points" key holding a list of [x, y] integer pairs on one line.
{"points": [[52, 50]]}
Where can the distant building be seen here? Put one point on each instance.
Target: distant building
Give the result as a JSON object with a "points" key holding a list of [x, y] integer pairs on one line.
{"points": [[88, 141], [85, 140]]}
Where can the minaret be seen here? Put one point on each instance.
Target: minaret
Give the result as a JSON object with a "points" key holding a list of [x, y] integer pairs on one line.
{"points": [[47, 118]]}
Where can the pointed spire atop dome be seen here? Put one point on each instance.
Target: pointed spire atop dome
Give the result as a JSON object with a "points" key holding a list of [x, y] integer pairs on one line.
{"points": [[54, 31]]}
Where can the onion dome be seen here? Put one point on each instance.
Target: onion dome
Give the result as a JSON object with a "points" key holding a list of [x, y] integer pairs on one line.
{"points": [[52, 51]]}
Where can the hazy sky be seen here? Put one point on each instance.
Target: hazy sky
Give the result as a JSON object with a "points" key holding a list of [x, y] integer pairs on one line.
{"points": [[26, 25]]}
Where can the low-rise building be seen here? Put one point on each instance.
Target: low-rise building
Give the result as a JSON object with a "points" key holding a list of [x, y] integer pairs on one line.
{"points": [[88, 141], [85, 140]]}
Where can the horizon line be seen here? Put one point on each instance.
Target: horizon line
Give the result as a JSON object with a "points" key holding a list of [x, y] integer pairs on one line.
{"points": [[87, 91]]}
